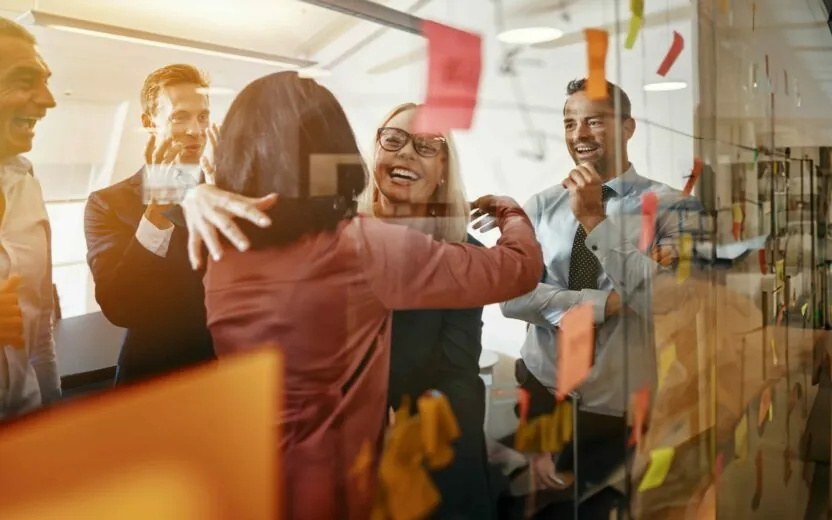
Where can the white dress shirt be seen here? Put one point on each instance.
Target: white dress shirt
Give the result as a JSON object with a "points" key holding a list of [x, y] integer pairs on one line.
{"points": [[157, 240], [29, 376], [624, 344]]}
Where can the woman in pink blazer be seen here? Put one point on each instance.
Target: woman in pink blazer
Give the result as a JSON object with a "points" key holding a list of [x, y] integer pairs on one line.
{"points": [[321, 283]]}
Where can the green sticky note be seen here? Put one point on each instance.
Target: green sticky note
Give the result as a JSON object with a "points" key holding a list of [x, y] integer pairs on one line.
{"points": [[756, 153], [660, 461]]}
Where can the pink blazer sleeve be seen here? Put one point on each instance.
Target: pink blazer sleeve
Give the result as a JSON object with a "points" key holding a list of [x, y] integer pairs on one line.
{"points": [[410, 270]]}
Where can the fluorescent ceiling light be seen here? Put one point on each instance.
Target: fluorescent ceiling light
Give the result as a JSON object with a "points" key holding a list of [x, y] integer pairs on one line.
{"points": [[530, 35], [314, 73], [112, 32], [665, 86]]}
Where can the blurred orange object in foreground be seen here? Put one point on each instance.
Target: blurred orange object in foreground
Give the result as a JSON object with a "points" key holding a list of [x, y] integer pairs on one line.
{"points": [[198, 445]]}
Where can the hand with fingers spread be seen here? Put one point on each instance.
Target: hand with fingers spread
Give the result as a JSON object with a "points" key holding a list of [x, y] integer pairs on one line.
{"points": [[11, 319], [488, 210], [584, 185], [209, 210], [208, 160], [159, 179]]}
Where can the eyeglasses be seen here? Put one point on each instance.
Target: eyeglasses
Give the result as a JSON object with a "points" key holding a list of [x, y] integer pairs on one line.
{"points": [[394, 139]]}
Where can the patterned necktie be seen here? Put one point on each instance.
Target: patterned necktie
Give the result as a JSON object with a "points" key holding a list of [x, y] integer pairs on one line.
{"points": [[584, 267]]}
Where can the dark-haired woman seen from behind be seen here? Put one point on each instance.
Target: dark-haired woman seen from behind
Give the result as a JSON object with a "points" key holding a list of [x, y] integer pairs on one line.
{"points": [[321, 284], [416, 182]]}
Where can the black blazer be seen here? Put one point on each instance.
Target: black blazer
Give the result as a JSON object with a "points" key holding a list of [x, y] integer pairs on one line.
{"points": [[159, 300]]}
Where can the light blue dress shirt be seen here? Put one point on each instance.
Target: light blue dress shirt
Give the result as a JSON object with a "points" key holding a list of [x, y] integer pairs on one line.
{"points": [[625, 354]]}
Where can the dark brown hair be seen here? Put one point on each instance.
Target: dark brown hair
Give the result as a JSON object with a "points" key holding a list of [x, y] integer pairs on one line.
{"points": [[579, 85], [271, 132]]}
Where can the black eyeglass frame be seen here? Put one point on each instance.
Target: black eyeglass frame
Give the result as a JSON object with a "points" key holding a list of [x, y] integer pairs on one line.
{"points": [[412, 137]]}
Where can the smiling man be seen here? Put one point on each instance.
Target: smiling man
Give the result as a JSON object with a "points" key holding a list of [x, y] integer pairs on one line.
{"points": [[28, 365], [139, 261], [589, 224]]}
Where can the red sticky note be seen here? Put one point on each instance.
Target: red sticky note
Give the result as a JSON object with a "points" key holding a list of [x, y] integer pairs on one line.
{"points": [[672, 54], [762, 257], [576, 345], [597, 42], [649, 208], [735, 230], [718, 465], [694, 176], [455, 65], [523, 401], [640, 402]]}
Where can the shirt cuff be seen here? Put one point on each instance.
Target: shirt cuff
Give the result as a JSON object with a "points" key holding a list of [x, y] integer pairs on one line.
{"points": [[598, 300], [603, 239], [152, 238]]}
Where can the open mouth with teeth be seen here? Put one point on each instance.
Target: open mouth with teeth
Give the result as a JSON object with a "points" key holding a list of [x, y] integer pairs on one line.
{"points": [[24, 124], [586, 150], [404, 176]]}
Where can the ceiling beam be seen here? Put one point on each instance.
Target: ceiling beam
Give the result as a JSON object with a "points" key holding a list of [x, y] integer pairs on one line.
{"points": [[373, 12]]}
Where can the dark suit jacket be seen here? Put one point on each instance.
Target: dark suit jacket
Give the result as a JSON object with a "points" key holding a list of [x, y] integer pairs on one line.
{"points": [[440, 349], [159, 300]]}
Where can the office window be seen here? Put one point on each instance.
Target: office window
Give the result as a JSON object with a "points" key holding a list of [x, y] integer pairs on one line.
{"points": [[69, 265]]}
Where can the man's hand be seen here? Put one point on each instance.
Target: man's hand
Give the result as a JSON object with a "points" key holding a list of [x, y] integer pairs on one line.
{"points": [[613, 304], [11, 319], [584, 185], [663, 255], [542, 466], [208, 160], [159, 177], [484, 211], [208, 209]]}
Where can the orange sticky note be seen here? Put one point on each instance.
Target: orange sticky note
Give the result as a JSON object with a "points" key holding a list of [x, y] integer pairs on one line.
{"points": [[597, 42], [523, 401], [694, 176], [636, 21], [187, 428], [455, 66], [649, 209], [576, 347], [641, 401]]}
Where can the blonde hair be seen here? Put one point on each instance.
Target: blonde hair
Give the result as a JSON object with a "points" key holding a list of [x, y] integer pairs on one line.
{"points": [[453, 214], [168, 76]]}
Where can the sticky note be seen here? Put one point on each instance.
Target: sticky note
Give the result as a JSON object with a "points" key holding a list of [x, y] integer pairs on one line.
{"points": [[718, 465], [724, 5], [666, 360], [694, 176], [765, 404], [660, 461], [804, 309], [576, 346], [775, 167], [762, 258], [649, 208], [685, 252], [672, 54], [737, 212], [641, 400], [523, 401], [774, 352], [780, 314], [741, 439], [636, 21], [756, 154], [779, 269], [597, 42], [454, 69], [439, 429], [360, 468]]}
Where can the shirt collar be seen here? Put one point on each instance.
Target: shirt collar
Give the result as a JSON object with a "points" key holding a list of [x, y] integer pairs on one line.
{"points": [[626, 182], [17, 164]]}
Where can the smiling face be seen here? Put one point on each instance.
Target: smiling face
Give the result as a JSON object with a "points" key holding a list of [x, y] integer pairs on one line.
{"points": [[183, 113], [24, 95], [590, 132], [406, 176]]}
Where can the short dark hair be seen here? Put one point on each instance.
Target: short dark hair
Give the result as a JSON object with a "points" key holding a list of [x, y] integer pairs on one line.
{"points": [[271, 132], [579, 85], [13, 29]]}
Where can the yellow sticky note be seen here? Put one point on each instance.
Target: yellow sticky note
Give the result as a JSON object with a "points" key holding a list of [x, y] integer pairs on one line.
{"points": [[660, 461], [737, 212], [597, 41], [804, 309], [780, 271], [666, 359], [771, 412], [774, 351], [741, 439], [685, 251], [637, 10]]}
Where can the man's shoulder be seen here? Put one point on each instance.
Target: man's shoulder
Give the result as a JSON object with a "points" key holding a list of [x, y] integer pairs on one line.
{"points": [[548, 196], [126, 187]]}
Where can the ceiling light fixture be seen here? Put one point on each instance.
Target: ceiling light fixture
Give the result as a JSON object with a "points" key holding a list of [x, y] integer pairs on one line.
{"points": [[530, 35], [665, 86], [112, 32]]}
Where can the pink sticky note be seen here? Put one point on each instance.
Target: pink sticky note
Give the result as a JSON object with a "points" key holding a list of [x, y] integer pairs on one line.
{"points": [[455, 64], [649, 208], [576, 346], [672, 54]]}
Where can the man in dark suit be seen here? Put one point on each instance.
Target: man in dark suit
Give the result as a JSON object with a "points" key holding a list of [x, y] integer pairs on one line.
{"points": [[139, 260]]}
